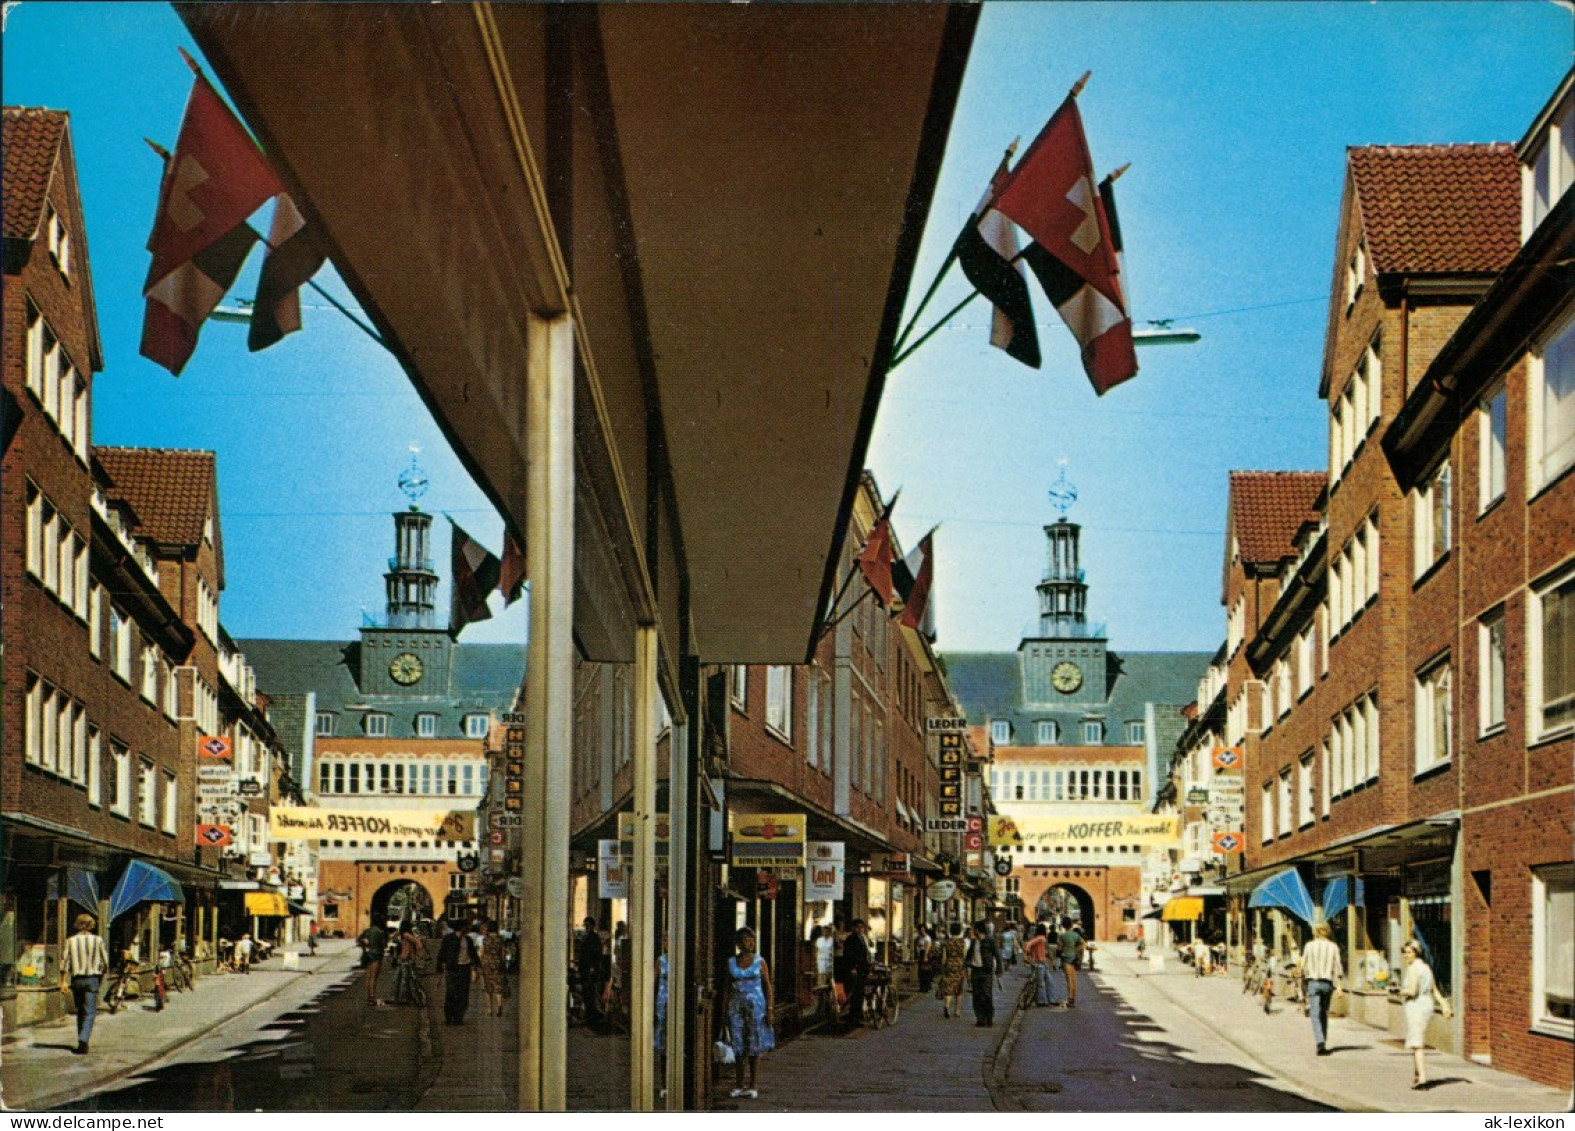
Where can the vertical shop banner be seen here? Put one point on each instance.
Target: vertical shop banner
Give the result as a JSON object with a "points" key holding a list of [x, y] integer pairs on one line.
{"points": [[825, 867], [612, 873]]}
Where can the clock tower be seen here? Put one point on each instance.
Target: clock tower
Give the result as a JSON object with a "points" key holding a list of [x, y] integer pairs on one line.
{"points": [[408, 655], [1063, 665]]}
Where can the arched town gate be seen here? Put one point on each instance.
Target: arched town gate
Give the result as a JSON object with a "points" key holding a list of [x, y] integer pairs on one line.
{"points": [[405, 899], [1062, 899]]}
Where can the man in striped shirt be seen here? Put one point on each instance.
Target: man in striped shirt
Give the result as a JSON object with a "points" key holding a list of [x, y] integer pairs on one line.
{"points": [[83, 962], [1322, 970]]}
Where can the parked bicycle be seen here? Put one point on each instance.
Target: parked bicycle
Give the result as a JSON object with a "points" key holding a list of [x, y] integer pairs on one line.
{"points": [[122, 984], [881, 1007]]}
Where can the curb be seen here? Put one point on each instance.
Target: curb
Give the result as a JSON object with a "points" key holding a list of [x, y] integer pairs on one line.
{"points": [[46, 1102]]}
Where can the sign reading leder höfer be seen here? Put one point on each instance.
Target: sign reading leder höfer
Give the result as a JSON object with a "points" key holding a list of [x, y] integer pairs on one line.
{"points": [[1056, 832], [297, 822], [768, 840]]}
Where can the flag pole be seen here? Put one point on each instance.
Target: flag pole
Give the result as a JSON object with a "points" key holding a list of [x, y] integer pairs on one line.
{"points": [[931, 332], [951, 257], [846, 613], [1077, 87]]}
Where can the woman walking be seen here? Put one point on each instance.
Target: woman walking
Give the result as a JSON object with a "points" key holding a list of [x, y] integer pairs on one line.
{"points": [[1034, 955], [493, 964], [1417, 993], [749, 1010], [948, 986]]}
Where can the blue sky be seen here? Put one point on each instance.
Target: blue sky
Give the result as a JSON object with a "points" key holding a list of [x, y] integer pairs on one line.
{"points": [[1235, 118]]}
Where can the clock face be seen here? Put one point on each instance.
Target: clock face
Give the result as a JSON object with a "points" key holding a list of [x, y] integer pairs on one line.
{"points": [[1066, 677], [406, 668]]}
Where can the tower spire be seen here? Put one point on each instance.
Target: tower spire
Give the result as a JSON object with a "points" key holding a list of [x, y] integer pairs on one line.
{"points": [[411, 581], [1063, 594]]}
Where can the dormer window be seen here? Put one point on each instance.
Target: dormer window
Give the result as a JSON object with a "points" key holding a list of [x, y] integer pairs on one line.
{"points": [[376, 725], [1046, 732], [426, 725], [477, 726], [1001, 732]]}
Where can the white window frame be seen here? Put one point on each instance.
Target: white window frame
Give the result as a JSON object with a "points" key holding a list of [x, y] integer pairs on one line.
{"points": [[1490, 671], [375, 724], [478, 726], [1137, 732], [738, 686], [1492, 447], [1548, 460], [1304, 790], [812, 719], [1047, 732], [779, 701], [1433, 519], [1267, 815], [1287, 814], [1001, 732], [1093, 732], [95, 767], [1538, 724], [426, 725], [1324, 784], [1434, 693], [120, 757], [171, 805], [120, 643], [826, 713], [1560, 877], [1355, 274], [325, 724], [147, 794]]}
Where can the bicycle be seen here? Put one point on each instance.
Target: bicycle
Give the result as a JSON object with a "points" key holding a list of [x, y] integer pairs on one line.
{"points": [[881, 1007], [122, 984]]}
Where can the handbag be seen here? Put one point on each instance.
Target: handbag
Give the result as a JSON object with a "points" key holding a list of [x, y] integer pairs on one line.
{"points": [[722, 1052]]}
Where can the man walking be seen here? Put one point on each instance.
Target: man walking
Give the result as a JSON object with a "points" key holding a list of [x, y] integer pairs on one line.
{"points": [[457, 956], [1322, 967], [1072, 946], [982, 963], [82, 969], [592, 966]]}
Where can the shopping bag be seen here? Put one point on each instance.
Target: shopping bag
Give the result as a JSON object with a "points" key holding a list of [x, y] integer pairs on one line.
{"points": [[722, 1052]]}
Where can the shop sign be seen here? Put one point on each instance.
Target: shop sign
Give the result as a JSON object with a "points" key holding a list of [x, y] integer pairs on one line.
{"points": [[213, 836], [260, 858], [1229, 843], [214, 746], [1003, 865], [216, 789], [612, 873], [626, 826], [1058, 832], [973, 842], [973, 860], [308, 822], [1197, 797], [768, 840], [208, 771], [893, 867], [941, 891], [825, 867], [501, 820], [1227, 758], [939, 725], [946, 824], [249, 787]]}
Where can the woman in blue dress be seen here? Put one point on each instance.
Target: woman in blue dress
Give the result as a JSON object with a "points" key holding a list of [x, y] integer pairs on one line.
{"points": [[749, 1010], [659, 1036]]}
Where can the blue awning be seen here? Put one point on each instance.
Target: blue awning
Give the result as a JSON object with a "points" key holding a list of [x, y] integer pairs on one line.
{"points": [[81, 888], [143, 883], [1284, 890], [1337, 895]]}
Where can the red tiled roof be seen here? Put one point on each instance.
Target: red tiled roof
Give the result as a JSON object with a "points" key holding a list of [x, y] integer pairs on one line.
{"points": [[170, 489], [31, 139], [1267, 508], [1438, 208]]}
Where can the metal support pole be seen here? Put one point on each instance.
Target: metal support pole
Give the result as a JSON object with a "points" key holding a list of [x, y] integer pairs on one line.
{"points": [[549, 704], [642, 891], [678, 763]]}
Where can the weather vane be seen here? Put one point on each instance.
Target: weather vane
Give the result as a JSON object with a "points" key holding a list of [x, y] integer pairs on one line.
{"points": [[1062, 493], [413, 481]]}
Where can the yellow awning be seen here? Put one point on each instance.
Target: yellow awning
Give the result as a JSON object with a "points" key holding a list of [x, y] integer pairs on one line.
{"points": [[1185, 909], [266, 903]]}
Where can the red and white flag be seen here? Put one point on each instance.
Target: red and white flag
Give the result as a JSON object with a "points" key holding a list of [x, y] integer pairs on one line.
{"points": [[879, 555], [1052, 195], [214, 181], [914, 579], [511, 575]]}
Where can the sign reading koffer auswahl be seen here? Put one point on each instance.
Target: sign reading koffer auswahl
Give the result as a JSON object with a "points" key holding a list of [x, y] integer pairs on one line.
{"points": [[1049, 831], [287, 822]]}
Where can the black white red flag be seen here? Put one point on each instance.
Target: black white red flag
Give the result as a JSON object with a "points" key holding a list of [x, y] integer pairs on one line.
{"points": [[292, 258], [914, 577], [213, 182], [473, 575], [511, 577], [987, 251], [1053, 197]]}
